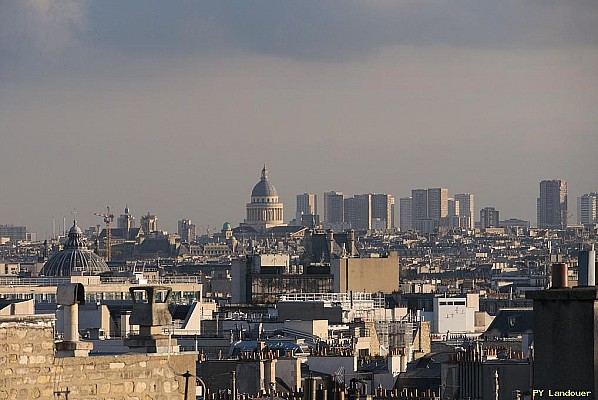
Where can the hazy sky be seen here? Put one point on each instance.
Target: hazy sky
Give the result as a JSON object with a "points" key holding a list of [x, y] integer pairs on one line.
{"points": [[173, 106]]}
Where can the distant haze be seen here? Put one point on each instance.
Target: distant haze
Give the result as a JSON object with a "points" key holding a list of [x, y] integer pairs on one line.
{"points": [[173, 107]]}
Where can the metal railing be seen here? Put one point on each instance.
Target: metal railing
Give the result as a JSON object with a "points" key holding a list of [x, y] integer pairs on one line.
{"points": [[375, 299], [53, 281], [7, 281]]}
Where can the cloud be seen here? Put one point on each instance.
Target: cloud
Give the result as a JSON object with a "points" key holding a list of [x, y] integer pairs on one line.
{"points": [[465, 94], [338, 29], [48, 26], [315, 30]]}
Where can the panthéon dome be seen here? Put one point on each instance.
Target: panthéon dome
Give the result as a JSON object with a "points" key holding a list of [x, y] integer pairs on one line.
{"points": [[264, 210], [264, 188]]}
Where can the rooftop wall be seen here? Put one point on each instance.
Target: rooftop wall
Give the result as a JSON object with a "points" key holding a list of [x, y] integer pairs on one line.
{"points": [[379, 274], [29, 370]]}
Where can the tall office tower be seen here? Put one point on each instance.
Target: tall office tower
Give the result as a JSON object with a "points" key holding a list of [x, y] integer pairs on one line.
{"points": [[420, 221], [149, 223], [307, 204], [358, 211], [429, 208], [453, 208], [383, 206], [466, 208], [405, 220], [334, 208], [419, 204], [437, 203], [489, 218], [552, 204], [453, 219], [587, 208], [186, 230], [15, 233]]}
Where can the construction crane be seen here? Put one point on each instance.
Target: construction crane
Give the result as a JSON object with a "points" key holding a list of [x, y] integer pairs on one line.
{"points": [[108, 218]]}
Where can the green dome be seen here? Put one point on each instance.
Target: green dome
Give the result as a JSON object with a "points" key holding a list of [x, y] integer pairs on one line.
{"points": [[226, 227]]}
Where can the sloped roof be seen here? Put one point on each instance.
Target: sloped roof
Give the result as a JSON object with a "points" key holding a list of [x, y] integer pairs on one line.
{"points": [[511, 322]]}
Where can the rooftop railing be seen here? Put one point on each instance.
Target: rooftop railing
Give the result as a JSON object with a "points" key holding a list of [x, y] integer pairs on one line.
{"points": [[343, 298], [55, 281]]}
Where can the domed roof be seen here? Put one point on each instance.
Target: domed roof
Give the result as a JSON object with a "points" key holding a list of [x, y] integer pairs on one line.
{"points": [[264, 188], [226, 226], [75, 259]]}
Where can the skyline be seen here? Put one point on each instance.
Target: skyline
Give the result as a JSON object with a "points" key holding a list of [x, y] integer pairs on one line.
{"points": [[174, 109], [57, 222]]}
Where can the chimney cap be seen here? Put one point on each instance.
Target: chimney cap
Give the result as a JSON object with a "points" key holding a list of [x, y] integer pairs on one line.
{"points": [[151, 292], [68, 294]]}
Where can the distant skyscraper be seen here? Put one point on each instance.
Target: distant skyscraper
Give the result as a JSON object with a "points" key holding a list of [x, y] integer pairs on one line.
{"points": [[149, 223], [552, 204], [466, 207], [15, 233], [454, 219], [358, 211], [453, 208], [587, 208], [383, 206], [334, 208], [405, 220], [437, 203], [429, 208], [186, 230], [420, 220], [419, 204], [307, 204], [489, 218]]}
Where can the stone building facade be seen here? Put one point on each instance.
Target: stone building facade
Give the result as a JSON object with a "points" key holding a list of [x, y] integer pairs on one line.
{"points": [[30, 370]]}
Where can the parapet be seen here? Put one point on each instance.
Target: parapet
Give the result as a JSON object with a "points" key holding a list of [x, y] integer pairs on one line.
{"points": [[24, 320], [559, 294]]}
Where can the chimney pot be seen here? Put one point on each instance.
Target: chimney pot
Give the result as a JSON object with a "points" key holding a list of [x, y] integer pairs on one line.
{"points": [[560, 278]]}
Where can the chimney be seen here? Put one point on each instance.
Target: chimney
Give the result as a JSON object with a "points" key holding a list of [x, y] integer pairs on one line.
{"points": [[69, 296], [330, 239], [150, 312], [586, 263], [560, 279], [351, 239]]}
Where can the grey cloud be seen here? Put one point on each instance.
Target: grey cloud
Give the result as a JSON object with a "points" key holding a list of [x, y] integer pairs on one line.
{"points": [[474, 93], [338, 29], [43, 26], [34, 31]]}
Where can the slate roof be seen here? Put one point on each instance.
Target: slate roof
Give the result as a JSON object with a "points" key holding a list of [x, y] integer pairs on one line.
{"points": [[511, 322], [244, 229], [286, 230], [424, 373]]}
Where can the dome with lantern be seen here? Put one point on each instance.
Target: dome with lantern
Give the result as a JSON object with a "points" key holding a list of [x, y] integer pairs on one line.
{"points": [[75, 258]]}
